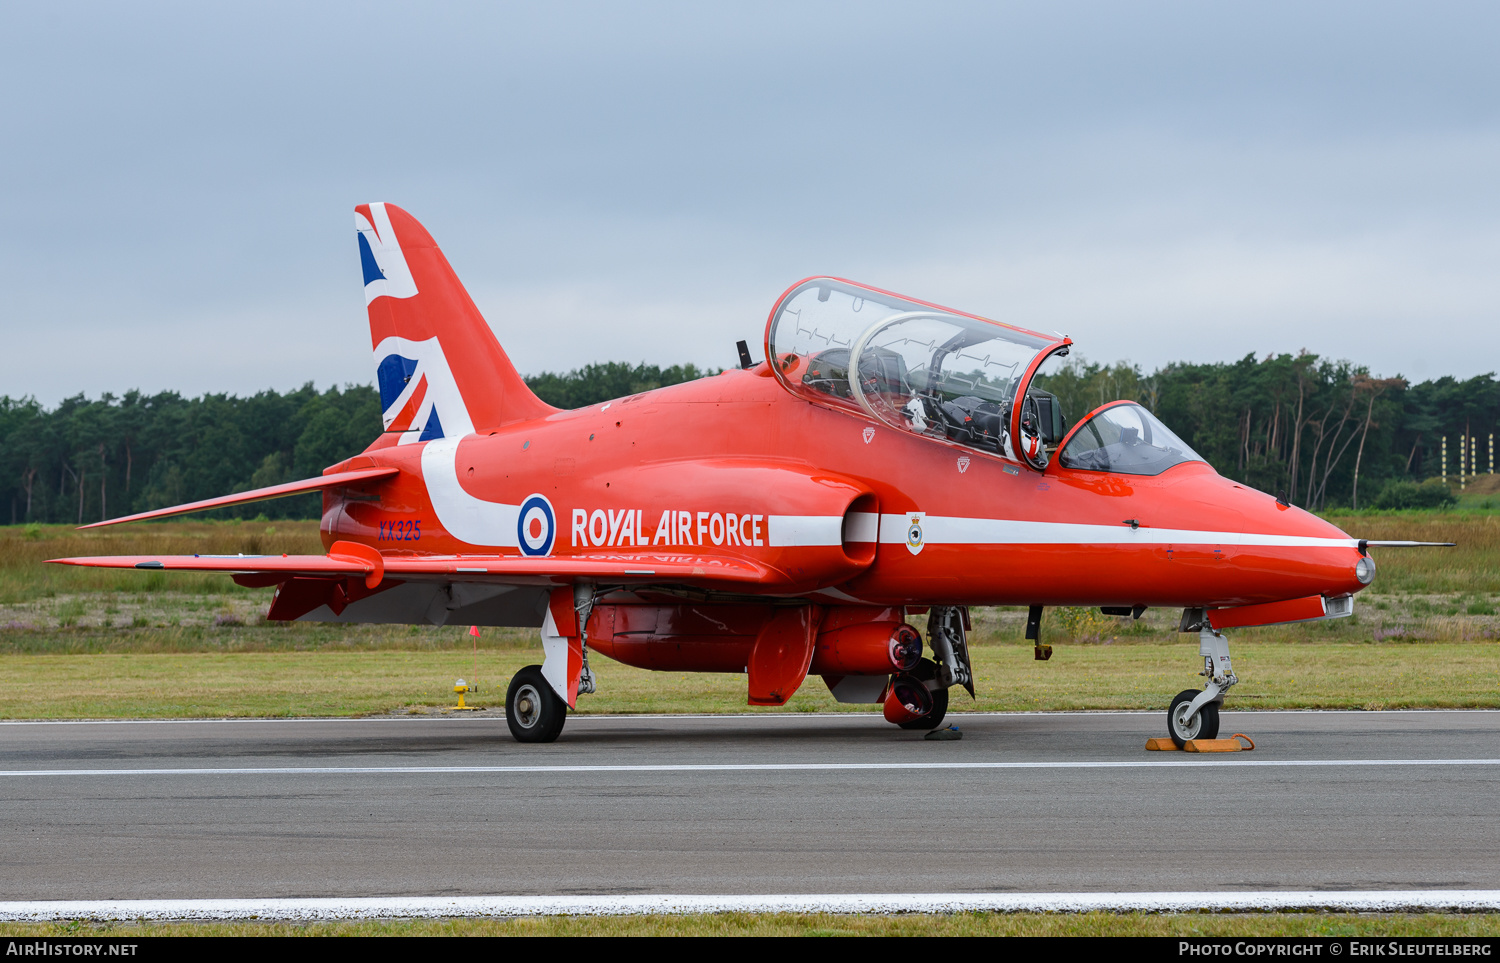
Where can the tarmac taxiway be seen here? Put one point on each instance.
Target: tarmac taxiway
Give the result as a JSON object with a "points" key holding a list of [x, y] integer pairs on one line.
{"points": [[788, 803]]}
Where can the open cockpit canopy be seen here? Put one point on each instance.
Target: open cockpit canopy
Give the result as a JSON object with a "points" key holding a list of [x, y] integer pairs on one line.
{"points": [[912, 365]]}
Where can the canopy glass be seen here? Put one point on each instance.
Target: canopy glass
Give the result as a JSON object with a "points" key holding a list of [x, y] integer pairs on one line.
{"points": [[1125, 438], [914, 366]]}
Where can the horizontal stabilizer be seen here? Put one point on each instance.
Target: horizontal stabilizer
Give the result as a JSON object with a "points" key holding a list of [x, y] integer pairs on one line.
{"points": [[336, 480], [500, 569]]}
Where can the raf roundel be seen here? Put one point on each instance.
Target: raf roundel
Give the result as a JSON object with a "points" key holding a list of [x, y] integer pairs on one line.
{"points": [[537, 526]]}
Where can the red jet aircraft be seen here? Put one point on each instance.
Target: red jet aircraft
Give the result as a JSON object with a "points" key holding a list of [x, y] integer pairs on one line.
{"points": [[890, 459]]}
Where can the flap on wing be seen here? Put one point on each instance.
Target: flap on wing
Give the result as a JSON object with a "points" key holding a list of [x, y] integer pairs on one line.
{"points": [[335, 480], [640, 567]]}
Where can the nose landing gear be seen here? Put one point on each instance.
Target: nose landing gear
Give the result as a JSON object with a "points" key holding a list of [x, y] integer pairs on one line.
{"points": [[1194, 714]]}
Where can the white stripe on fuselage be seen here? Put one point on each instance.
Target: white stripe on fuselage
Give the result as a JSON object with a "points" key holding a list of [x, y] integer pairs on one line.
{"points": [[804, 531], [949, 530], [465, 517]]}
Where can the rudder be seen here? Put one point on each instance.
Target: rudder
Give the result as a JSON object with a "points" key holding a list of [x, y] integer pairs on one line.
{"points": [[440, 370]]}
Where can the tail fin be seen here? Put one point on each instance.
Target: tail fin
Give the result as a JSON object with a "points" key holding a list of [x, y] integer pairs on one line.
{"points": [[441, 372]]}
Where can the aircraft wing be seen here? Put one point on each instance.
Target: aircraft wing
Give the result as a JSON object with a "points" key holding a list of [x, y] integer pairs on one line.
{"points": [[347, 559], [335, 480]]}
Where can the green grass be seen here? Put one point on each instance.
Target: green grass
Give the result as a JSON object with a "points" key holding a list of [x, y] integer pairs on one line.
{"points": [[1473, 565], [25, 548], [353, 680], [824, 924]]}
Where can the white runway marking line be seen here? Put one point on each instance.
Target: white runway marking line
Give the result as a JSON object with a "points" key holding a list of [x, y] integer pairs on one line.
{"points": [[802, 717], [739, 767], [1368, 901]]}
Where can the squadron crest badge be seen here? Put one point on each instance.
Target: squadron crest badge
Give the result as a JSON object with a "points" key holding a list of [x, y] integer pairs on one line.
{"points": [[914, 532]]}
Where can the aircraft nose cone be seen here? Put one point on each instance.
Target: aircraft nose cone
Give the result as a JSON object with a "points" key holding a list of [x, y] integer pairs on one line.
{"points": [[1286, 551]]}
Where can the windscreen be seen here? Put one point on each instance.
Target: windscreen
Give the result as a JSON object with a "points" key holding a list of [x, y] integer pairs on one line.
{"points": [[1127, 439]]}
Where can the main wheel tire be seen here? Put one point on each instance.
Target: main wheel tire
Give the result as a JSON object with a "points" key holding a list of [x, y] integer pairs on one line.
{"points": [[934, 718], [532, 710], [1204, 725]]}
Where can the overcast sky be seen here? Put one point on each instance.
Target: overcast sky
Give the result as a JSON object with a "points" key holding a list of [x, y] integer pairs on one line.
{"points": [[638, 182]]}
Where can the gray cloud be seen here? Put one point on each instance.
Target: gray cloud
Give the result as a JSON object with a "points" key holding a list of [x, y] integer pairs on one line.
{"points": [[1163, 181]]}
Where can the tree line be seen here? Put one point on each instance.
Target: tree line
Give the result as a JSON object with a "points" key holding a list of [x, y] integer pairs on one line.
{"points": [[1326, 433], [88, 460]]}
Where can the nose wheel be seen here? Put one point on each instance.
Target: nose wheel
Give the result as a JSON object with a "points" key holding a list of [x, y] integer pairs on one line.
{"points": [[1183, 723], [532, 710], [1194, 713]]}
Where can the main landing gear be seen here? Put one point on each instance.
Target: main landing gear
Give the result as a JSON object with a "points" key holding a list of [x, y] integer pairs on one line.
{"points": [[532, 710], [919, 699], [1194, 714]]}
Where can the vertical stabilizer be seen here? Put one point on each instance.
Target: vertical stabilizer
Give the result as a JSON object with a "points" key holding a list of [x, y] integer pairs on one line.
{"points": [[440, 370]]}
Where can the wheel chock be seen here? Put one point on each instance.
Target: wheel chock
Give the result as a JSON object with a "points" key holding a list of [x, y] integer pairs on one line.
{"points": [[1232, 744], [950, 734]]}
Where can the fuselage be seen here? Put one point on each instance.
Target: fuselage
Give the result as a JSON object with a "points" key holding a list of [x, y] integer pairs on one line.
{"points": [[840, 508]]}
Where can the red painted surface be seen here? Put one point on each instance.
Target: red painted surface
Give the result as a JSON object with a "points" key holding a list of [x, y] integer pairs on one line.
{"points": [[782, 652], [1269, 613], [907, 700], [866, 649]]}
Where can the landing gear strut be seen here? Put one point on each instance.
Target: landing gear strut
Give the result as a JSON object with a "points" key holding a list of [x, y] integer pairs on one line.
{"points": [[1194, 714], [950, 646]]}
